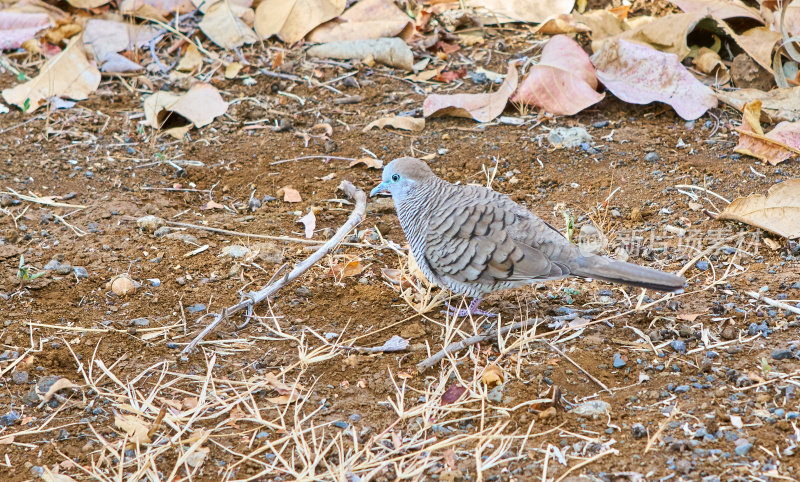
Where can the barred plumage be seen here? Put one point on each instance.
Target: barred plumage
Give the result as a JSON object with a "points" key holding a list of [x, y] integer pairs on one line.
{"points": [[472, 240]]}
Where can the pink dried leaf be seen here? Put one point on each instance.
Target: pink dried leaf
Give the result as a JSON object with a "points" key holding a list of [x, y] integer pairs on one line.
{"points": [[640, 74], [564, 82], [481, 107]]}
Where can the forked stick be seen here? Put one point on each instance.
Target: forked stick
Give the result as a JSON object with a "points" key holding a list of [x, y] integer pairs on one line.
{"points": [[255, 297]]}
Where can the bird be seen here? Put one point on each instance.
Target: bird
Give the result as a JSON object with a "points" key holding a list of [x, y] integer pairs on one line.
{"points": [[475, 241]]}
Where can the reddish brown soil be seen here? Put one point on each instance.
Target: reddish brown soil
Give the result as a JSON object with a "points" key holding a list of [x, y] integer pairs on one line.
{"points": [[51, 155]]}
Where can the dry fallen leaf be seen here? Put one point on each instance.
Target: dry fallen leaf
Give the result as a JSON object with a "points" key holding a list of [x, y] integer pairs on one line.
{"points": [[709, 62], [405, 123], [777, 104], [481, 107], [60, 384], [310, 223], [291, 20], [223, 23], [367, 19], [17, 27], [87, 4], [393, 52], [493, 12], [157, 9], [776, 146], [104, 39], [191, 61], [211, 204], [199, 106], [68, 75], [778, 212], [344, 270], [639, 74], [564, 81], [136, 429], [453, 393], [196, 458], [289, 195], [50, 476], [370, 162], [492, 375]]}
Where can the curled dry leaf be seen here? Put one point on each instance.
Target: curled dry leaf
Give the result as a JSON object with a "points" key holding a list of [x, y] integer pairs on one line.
{"points": [[719, 9], [87, 4], [158, 9], [136, 428], [289, 194], [310, 223], [17, 27], [291, 20], [405, 123], [67, 75], [224, 23], [199, 106], [453, 393], [347, 269], [564, 82], [367, 19], [776, 146], [191, 61], [493, 375], [370, 162], [481, 107], [104, 39], [640, 74], [709, 62], [60, 384], [393, 52], [493, 12], [778, 212], [777, 104]]}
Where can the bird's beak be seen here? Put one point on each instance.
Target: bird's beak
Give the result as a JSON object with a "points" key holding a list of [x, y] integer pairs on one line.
{"points": [[379, 188]]}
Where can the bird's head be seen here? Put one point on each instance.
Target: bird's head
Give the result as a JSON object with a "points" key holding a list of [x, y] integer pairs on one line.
{"points": [[402, 176]]}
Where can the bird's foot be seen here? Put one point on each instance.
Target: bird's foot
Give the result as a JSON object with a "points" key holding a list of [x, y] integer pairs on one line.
{"points": [[471, 310]]}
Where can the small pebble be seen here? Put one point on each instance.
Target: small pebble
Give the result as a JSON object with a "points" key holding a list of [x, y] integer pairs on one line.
{"points": [[678, 345], [341, 424], [618, 361], [702, 265], [638, 431], [742, 450], [651, 156], [20, 377], [80, 272], [682, 388], [600, 124], [782, 354], [8, 419], [196, 307]]}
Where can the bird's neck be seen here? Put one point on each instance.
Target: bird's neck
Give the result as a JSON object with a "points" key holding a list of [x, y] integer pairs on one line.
{"points": [[413, 210]]}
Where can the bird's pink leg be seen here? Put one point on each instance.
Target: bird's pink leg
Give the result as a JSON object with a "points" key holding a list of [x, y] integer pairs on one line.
{"points": [[470, 311]]}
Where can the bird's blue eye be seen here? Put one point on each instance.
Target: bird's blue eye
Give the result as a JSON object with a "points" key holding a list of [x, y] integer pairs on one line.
{"points": [[395, 177]]}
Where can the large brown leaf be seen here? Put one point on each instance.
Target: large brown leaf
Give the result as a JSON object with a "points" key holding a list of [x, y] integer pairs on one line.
{"points": [[778, 212], [291, 20], [563, 82], [481, 107], [775, 146]]}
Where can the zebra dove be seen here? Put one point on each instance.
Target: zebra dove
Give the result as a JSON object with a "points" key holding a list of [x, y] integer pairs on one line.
{"points": [[474, 241]]}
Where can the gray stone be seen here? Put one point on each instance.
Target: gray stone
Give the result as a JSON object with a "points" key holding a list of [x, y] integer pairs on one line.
{"points": [[20, 377]]}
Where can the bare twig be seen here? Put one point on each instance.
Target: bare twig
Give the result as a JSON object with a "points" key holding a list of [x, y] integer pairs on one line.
{"points": [[775, 303], [256, 297], [473, 340]]}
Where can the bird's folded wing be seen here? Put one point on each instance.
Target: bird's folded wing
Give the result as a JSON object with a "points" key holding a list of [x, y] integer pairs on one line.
{"points": [[473, 243]]}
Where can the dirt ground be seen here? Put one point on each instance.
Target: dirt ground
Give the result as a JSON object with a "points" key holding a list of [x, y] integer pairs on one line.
{"points": [[700, 386]]}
